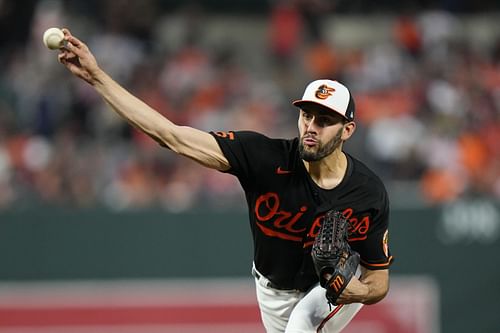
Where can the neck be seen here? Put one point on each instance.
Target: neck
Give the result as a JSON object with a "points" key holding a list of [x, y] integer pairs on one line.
{"points": [[328, 172]]}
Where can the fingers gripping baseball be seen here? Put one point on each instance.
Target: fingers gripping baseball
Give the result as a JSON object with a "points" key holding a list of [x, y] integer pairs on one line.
{"points": [[77, 58]]}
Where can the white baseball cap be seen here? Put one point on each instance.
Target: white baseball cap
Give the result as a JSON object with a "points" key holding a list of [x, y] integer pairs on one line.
{"points": [[329, 94]]}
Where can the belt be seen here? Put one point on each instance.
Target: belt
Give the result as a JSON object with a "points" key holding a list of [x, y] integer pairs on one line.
{"points": [[267, 283]]}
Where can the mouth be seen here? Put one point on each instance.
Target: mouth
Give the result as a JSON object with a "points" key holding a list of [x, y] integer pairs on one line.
{"points": [[309, 141]]}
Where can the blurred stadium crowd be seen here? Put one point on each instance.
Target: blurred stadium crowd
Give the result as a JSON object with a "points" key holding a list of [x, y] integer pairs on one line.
{"points": [[427, 97]]}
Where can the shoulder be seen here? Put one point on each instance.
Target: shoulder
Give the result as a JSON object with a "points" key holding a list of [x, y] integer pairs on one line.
{"points": [[366, 178], [259, 137], [255, 140], [251, 153]]}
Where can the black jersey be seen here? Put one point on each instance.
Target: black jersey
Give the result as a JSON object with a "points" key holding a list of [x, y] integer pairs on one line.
{"points": [[286, 207]]}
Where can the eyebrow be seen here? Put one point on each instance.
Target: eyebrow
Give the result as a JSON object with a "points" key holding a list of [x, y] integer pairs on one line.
{"points": [[323, 113]]}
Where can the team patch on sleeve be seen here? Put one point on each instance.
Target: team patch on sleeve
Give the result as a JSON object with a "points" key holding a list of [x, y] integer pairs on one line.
{"points": [[385, 243], [382, 264]]}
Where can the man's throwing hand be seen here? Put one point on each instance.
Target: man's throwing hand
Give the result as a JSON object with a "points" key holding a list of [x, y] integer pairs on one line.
{"points": [[76, 56]]}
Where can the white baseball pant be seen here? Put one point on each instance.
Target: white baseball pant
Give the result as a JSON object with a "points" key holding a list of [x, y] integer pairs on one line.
{"points": [[293, 311]]}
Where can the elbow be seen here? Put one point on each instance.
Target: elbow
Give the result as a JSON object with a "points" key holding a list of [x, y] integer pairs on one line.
{"points": [[159, 141], [374, 299], [165, 138]]}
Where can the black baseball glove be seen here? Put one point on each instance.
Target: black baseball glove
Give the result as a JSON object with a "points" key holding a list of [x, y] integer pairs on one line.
{"points": [[334, 260]]}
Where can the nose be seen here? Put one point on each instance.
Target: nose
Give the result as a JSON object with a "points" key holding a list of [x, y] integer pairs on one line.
{"points": [[311, 125]]}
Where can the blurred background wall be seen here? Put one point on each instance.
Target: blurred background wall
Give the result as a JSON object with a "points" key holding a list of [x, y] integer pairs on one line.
{"points": [[83, 196]]}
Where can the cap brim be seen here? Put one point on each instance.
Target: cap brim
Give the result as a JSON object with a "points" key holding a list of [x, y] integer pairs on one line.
{"points": [[302, 102]]}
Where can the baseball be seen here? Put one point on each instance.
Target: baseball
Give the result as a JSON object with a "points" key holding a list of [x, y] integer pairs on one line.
{"points": [[53, 38]]}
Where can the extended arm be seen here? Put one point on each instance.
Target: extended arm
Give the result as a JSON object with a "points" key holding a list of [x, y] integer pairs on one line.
{"points": [[195, 144], [370, 288]]}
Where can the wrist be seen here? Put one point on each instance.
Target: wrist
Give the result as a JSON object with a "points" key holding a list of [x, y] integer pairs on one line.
{"points": [[99, 77]]}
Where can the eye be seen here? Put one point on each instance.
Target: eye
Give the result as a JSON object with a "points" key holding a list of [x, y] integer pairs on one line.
{"points": [[325, 121], [306, 115]]}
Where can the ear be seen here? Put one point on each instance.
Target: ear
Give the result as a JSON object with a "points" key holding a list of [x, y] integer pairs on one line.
{"points": [[348, 130]]}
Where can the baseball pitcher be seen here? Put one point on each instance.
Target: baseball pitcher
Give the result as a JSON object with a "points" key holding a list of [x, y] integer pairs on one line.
{"points": [[318, 216]]}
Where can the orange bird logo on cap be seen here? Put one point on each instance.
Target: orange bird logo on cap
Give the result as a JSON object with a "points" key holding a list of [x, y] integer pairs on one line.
{"points": [[324, 91]]}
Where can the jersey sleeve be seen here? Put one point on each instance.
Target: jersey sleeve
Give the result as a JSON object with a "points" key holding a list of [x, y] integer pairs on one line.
{"points": [[374, 250], [246, 153]]}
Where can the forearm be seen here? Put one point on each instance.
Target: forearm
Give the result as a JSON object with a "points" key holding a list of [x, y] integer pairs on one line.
{"points": [[370, 288], [190, 142], [376, 289], [133, 110]]}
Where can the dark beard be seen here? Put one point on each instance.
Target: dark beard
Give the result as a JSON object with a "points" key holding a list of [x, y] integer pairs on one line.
{"points": [[323, 150]]}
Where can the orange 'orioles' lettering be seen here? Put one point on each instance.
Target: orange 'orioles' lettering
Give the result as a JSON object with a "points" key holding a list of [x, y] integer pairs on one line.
{"points": [[267, 207], [274, 221], [358, 227], [313, 232]]}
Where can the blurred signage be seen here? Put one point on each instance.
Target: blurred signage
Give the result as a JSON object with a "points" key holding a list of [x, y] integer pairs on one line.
{"points": [[412, 306], [222, 306], [469, 221]]}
